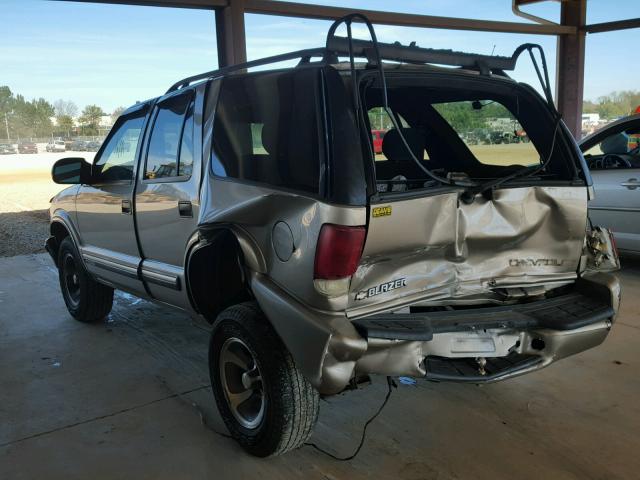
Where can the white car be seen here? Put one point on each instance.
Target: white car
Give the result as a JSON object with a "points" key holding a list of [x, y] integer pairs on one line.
{"points": [[56, 146], [613, 156]]}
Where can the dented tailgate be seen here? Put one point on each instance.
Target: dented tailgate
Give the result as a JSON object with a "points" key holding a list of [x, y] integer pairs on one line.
{"points": [[435, 248]]}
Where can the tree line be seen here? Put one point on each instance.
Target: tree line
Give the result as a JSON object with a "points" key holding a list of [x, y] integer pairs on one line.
{"points": [[463, 117], [616, 104], [24, 119]]}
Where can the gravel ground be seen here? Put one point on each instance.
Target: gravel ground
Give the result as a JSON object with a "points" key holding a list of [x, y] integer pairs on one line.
{"points": [[25, 190], [24, 217]]}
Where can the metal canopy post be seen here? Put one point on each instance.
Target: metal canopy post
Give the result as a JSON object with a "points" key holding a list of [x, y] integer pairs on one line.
{"points": [[232, 47], [570, 65]]}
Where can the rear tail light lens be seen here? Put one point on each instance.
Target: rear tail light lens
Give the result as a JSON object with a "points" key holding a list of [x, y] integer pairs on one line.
{"points": [[338, 251]]}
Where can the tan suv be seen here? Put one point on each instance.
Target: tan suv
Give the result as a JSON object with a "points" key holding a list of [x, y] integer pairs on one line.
{"points": [[256, 201]]}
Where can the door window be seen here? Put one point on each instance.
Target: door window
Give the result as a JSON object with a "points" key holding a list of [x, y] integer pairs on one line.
{"points": [[617, 151], [117, 160], [167, 140]]}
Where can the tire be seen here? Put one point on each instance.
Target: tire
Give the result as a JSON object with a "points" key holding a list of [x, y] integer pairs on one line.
{"points": [[87, 300], [282, 409]]}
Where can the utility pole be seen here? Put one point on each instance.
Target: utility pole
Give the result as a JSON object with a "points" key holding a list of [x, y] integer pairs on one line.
{"points": [[6, 123]]}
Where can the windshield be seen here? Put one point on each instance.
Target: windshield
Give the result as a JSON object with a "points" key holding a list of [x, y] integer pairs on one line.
{"points": [[475, 132]]}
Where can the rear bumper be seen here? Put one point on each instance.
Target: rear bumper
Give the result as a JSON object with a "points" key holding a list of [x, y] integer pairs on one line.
{"points": [[479, 345], [486, 345]]}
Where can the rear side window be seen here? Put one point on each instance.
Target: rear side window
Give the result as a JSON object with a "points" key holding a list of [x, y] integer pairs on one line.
{"points": [[266, 129], [170, 151]]}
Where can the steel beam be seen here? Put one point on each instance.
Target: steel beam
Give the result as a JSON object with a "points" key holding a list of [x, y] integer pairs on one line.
{"points": [[230, 34], [570, 65], [613, 26], [322, 12], [201, 4]]}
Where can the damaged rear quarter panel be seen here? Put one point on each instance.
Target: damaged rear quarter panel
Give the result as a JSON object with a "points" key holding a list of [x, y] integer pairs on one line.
{"points": [[444, 248]]}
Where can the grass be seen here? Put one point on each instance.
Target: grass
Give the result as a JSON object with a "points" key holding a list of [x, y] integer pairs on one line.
{"points": [[505, 154]]}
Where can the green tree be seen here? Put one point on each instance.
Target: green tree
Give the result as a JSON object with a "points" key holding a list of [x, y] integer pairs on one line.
{"points": [[31, 118], [6, 108], [90, 119], [65, 124], [615, 104]]}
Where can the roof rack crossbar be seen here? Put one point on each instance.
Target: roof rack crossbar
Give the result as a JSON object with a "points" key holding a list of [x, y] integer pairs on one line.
{"points": [[418, 55], [301, 54]]}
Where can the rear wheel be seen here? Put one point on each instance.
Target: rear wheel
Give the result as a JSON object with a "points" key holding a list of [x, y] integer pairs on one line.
{"points": [[265, 402], [86, 299]]}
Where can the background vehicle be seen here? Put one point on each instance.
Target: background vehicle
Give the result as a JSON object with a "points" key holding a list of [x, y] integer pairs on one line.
{"points": [[319, 263], [7, 149], [56, 146], [78, 146], [613, 156], [27, 147], [92, 146]]}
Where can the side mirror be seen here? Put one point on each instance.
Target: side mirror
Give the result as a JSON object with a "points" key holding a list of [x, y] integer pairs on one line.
{"points": [[71, 171]]}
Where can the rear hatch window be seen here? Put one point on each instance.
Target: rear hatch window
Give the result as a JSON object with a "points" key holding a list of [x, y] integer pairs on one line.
{"points": [[476, 131]]}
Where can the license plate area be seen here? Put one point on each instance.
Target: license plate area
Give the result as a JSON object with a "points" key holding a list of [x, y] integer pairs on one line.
{"points": [[473, 345], [487, 343]]}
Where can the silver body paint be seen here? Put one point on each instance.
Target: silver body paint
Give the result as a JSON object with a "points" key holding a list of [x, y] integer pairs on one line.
{"points": [[428, 250]]}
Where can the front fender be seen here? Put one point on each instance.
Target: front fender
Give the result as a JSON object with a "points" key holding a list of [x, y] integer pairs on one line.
{"points": [[63, 218]]}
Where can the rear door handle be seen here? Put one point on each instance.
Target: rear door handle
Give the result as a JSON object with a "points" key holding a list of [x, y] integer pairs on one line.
{"points": [[631, 184], [126, 207], [185, 208]]}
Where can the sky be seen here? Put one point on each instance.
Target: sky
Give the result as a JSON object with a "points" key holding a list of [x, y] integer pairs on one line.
{"points": [[115, 55]]}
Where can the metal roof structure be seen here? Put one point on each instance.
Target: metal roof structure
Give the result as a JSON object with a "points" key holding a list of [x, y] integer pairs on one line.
{"points": [[570, 32]]}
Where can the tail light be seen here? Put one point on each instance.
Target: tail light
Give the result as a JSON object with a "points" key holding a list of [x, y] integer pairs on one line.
{"points": [[337, 256]]}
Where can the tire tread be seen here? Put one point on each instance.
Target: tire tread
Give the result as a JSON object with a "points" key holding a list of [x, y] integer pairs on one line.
{"points": [[96, 299], [294, 400]]}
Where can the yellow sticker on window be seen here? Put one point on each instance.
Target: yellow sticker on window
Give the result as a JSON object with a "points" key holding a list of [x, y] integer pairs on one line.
{"points": [[381, 211]]}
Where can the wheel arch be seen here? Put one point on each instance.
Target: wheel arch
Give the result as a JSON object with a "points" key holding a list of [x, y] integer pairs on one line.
{"points": [[61, 226], [216, 269]]}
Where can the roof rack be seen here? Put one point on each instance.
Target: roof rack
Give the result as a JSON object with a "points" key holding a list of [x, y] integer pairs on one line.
{"points": [[338, 46], [375, 52], [303, 55], [416, 55]]}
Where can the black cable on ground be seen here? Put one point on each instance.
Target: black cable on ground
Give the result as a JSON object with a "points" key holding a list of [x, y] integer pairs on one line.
{"points": [[391, 384]]}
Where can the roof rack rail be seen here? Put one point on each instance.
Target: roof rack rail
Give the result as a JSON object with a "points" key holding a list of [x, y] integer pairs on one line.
{"points": [[303, 55], [339, 46], [374, 52]]}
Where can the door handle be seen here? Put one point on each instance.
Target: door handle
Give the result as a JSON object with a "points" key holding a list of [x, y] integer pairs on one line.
{"points": [[185, 208], [126, 207], [631, 184]]}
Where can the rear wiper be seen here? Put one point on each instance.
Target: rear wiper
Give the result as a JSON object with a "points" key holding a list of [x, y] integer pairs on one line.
{"points": [[470, 193]]}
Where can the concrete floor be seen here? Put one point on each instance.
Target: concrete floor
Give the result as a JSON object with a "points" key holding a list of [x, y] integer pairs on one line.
{"points": [[129, 399]]}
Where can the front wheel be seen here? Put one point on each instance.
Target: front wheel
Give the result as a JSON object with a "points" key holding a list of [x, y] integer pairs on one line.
{"points": [[87, 300], [265, 402]]}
